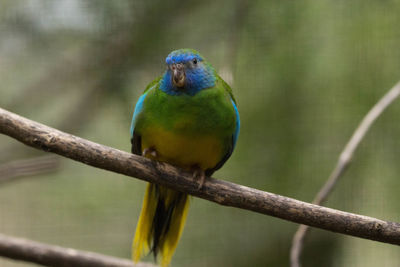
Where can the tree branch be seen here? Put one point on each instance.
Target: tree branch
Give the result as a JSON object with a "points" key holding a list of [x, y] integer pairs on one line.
{"points": [[229, 194], [344, 160], [48, 255]]}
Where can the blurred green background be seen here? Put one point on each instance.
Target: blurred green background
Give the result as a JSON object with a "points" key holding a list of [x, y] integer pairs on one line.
{"points": [[304, 73]]}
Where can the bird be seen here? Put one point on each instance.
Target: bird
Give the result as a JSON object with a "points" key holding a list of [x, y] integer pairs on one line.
{"points": [[186, 117]]}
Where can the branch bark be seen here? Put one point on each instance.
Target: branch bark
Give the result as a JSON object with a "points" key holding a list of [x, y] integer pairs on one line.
{"points": [[344, 160], [48, 255], [225, 193]]}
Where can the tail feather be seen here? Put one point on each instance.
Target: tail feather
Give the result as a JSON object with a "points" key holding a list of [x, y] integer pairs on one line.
{"points": [[142, 241], [160, 224]]}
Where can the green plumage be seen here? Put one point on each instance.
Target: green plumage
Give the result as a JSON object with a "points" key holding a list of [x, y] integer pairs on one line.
{"points": [[209, 111]]}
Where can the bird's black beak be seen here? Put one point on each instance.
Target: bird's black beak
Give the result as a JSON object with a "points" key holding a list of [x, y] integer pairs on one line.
{"points": [[178, 74]]}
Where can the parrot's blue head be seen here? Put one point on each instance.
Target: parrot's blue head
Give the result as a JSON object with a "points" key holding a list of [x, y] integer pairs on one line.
{"points": [[187, 72]]}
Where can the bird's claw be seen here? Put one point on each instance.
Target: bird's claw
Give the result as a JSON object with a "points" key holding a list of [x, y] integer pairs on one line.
{"points": [[200, 175], [149, 151]]}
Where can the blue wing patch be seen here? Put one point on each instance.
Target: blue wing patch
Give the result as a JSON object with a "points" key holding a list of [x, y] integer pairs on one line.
{"points": [[138, 109], [236, 134]]}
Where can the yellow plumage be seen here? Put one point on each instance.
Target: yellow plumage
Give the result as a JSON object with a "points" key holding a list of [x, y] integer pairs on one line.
{"points": [[181, 150], [143, 236]]}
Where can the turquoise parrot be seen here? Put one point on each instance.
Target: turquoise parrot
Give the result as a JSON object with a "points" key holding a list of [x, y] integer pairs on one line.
{"points": [[188, 118]]}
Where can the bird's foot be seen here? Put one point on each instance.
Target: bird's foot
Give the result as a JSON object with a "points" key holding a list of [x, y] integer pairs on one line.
{"points": [[150, 152], [199, 175]]}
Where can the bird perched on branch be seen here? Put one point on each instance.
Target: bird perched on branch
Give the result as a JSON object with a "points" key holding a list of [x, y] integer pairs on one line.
{"points": [[187, 117]]}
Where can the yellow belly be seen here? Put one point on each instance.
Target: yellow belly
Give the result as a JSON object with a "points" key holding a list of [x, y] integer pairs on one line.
{"points": [[184, 151]]}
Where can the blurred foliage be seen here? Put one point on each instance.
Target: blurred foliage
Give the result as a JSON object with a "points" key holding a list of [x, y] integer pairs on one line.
{"points": [[304, 74]]}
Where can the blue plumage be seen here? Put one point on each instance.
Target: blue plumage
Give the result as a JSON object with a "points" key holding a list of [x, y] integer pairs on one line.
{"points": [[138, 109], [178, 56], [198, 75], [237, 130]]}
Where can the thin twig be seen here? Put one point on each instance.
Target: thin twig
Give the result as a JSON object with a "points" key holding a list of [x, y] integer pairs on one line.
{"points": [[229, 194], [238, 20], [28, 167], [49, 255], [344, 160]]}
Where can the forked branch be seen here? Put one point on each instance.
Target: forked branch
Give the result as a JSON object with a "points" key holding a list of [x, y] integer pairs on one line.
{"points": [[344, 160]]}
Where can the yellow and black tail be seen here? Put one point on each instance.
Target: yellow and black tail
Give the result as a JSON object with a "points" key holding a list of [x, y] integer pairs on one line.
{"points": [[160, 223]]}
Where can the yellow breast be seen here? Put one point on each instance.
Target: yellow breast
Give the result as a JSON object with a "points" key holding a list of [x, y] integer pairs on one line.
{"points": [[184, 151]]}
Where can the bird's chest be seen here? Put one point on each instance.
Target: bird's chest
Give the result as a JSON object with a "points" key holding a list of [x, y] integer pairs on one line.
{"points": [[209, 112], [186, 131], [183, 150]]}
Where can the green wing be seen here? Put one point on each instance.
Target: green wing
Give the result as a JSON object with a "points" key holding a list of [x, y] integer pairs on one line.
{"points": [[155, 82], [226, 87], [135, 137], [235, 135]]}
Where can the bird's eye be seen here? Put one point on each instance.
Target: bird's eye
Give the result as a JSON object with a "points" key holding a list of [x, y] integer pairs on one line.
{"points": [[195, 61]]}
